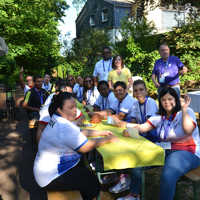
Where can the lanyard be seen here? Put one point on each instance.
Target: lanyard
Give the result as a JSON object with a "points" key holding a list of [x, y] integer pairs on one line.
{"points": [[119, 104], [166, 129], [104, 102], [164, 69], [40, 95], [108, 66], [89, 95], [143, 115]]}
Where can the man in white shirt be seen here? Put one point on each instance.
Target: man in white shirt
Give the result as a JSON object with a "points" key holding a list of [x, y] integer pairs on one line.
{"points": [[104, 66], [46, 84]]}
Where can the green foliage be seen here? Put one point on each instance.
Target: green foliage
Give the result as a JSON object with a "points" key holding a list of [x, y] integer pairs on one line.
{"points": [[86, 51], [185, 43], [30, 30]]}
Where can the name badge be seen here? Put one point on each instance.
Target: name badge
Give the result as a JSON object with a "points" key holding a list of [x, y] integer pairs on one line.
{"points": [[164, 145]]}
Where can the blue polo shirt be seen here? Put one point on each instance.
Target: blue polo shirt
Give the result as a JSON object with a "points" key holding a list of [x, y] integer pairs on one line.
{"points": [[167, 73]]}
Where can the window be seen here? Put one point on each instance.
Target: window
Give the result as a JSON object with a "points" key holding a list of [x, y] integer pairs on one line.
{"points": [[92, 21], [104, 15]]}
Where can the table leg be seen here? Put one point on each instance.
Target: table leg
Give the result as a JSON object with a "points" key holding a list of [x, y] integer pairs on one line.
{"points": [[143, 185]]}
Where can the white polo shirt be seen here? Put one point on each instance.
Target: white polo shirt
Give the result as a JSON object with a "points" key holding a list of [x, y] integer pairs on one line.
{"points": [[125, 106], [104, 103], [102, 69], [171, 131], [92, 96], [141, 112], [57, 150], [78, 90]]}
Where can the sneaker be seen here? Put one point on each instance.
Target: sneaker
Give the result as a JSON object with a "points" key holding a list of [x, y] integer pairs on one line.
{"points": [[122, 185], [128, 197]]}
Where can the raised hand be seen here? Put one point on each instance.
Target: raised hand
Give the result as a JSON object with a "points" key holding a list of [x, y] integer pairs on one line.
{"points": [[185, 102]]}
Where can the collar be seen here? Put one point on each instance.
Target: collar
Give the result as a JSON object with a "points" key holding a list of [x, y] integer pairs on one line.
{"points": [[123, 98], [171, 118]]}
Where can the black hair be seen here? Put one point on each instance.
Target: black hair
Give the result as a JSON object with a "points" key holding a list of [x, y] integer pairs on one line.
{"points": [[163, 44], [36, 77], [139, 82], [58, 101], [106, 47], [172, 92], [113, 61], [102, 83], [120, 83]]}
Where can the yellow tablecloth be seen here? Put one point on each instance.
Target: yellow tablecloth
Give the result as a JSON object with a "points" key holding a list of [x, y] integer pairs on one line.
{"points": [[129, 152]]}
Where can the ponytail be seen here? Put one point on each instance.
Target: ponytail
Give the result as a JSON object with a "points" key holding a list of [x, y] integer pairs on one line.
{"points": [[58, 101]]}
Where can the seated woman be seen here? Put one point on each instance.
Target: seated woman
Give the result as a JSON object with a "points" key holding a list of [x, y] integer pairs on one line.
{"points": [[105, 98], [177, 128], [90, 92], [58, 164], [119, 73]]}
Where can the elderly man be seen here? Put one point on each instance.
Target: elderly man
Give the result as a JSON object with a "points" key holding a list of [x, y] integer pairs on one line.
{"points": [[167, 70]]}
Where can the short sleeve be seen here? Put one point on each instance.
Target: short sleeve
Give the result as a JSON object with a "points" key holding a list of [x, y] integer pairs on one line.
{"points": [[72, 137], [95, 73], [27, 97], [128, 73], [155, 71], [154, 121], [110, 75], [44, 115], [179, 63], [192, 115]]}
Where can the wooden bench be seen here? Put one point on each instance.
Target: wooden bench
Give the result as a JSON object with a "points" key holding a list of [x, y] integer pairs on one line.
{"points": [[64, 195]]}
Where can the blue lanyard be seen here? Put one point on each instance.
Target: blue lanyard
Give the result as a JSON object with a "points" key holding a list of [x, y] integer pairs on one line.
{"points": [[163, 70], [119, 104], [166, 129], [104, 102], [40, 95], [143, 115], [108, 66]]}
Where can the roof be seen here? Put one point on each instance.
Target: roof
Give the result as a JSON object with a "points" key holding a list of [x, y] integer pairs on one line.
{"points": [[120, 1]]}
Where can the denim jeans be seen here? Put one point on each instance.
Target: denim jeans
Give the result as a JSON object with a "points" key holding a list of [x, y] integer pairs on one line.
{"points": [[177, 163]]}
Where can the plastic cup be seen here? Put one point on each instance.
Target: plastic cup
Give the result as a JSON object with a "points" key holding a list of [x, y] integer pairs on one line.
{"points": [[133, 132]]}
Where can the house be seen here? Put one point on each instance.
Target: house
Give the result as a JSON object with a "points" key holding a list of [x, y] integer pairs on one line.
{"points": [[107, 14]]}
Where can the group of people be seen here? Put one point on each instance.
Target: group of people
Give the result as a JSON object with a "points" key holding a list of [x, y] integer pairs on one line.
{"points": [[110, 93]]}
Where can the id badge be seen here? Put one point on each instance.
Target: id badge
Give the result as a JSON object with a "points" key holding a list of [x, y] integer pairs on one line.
{"points": [[162, 79], [164, 145]]}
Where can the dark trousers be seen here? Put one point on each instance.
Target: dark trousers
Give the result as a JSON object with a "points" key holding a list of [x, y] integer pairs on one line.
{"points": [[78, 178]]}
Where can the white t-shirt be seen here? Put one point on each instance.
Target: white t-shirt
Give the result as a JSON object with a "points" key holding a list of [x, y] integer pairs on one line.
{"points": [[125, 106], [141, 112], [44, 111], [26, 89], [57, 150], [171, 131], [104, 103], [92, 96], [102, 69], [78, 90]]}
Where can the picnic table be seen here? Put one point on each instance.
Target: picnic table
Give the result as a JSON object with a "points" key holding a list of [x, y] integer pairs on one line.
{"points": [[128, 152]]}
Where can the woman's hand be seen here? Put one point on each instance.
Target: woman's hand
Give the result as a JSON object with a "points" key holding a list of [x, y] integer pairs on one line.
{"points": [[185, 102], [105, 133], [118, 122]]}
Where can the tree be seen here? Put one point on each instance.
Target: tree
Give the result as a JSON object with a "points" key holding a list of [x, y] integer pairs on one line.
{"points": [[30, 30], [86, 51]]}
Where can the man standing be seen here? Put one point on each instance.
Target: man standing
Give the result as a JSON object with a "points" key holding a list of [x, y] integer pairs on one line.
{"points": [[167, 70], [104, 66], [34, 99], [46, 83]]}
